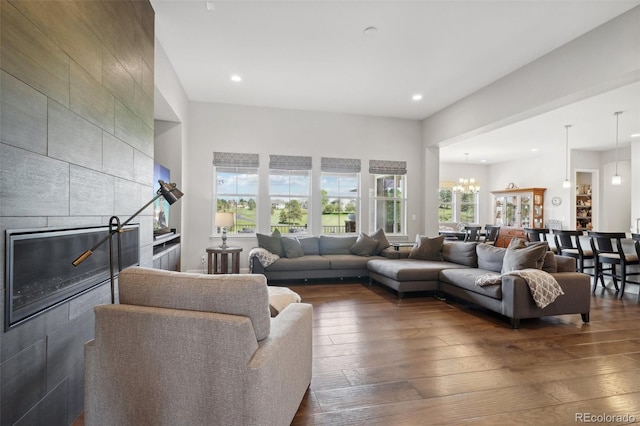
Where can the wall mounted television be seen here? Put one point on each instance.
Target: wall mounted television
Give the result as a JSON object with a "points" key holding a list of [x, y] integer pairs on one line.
{"points": [[160, 206]]}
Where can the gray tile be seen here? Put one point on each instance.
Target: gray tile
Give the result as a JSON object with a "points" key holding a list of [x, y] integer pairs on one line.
{"points": [[32, 185], [117, 157], [23, 121], [51, 410], [74, 139], [90, 99], [143, 169], [91, 192], [131, 129]]}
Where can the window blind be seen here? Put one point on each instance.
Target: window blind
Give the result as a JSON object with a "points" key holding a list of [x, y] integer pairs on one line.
{"points": [[289, 162], [235, 159], [340, 165], [387, 167]]}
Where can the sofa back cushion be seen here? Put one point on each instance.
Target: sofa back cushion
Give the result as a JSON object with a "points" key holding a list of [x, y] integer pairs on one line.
{"points": [[490, 257], [336, 245], [238, 294], [550, 264], [462, 253], [272, 242], [310, 246]]}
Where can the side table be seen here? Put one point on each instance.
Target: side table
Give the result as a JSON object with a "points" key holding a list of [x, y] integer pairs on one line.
{"points": [[214, 252]]}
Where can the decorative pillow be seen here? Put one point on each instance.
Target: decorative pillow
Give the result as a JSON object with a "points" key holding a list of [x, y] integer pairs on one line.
{"points": [[364, 246], [310, 245], [272, 242], [383, 243], [292, 248], [427, 248], [550, 264], [521, 256], [490, 257]]}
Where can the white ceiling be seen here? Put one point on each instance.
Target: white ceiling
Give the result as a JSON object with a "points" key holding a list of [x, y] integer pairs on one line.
{"points": [[313, 55]]}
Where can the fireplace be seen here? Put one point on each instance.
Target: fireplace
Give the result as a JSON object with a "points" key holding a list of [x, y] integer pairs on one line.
{"points": [[38, 270]]}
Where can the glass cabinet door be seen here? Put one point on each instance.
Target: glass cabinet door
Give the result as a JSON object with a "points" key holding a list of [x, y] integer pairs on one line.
{"points": [[525, 211], [499, 211], [511, 209]]}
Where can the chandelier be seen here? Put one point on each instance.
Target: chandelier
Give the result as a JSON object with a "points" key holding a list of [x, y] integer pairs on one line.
{"points": [[467, 185]]}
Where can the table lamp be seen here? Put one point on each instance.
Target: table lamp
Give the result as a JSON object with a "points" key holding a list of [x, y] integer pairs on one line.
{"points": [[224, 220]]}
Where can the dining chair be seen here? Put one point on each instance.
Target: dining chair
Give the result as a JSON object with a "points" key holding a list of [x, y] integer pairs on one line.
{"points": [[536, 234], [491, 234], [472, 233], [636, 244], [611, 260], [568, 244]]}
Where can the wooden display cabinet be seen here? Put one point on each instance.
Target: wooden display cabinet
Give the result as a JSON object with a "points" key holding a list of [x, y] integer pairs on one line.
{"points": [[519, 207]]}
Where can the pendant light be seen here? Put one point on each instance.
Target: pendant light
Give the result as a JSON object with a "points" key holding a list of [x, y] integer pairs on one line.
{"points": [[567, 183], [616, 179], [467, 185]]}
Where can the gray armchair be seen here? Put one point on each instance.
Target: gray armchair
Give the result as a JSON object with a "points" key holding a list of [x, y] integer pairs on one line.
{"points": [[196, 349]]}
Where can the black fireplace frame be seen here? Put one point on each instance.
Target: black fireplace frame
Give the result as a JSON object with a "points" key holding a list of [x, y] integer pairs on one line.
{"points": [[59, 246]]}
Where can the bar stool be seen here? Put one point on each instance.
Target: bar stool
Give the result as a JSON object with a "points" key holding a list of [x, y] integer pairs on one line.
{"points": [[607, 250], [568, 244], [636, 243], [472, 233], [536, 234], [491, 234]]}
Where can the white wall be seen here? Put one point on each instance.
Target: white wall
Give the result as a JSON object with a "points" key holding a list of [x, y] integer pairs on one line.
{"points": [[264, 131]]}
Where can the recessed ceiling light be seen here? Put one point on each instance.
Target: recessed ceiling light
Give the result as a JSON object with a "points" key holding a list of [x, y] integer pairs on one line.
{"points": [[483, 161], [236, 78], [635, 135], [370, 31], [534, 149], [417, 97], [210, 6]]}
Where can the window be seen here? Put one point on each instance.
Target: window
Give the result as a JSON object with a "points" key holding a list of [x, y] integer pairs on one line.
{"points": [[339, 186], [236, 190], [289, 190], [445, 203], [389, 195], [468, 207]]}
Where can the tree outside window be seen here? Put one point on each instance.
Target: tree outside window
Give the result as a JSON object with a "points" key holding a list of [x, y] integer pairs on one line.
{"points": [[289, 191]]}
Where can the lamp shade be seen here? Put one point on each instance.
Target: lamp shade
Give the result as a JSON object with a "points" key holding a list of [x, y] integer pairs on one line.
{"points": [[169, 191], [224, 219]]}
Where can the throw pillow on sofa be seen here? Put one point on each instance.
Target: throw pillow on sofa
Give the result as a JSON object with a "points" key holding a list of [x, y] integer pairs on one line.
{"points": [[381, 238], [364, 246], [292, 247], [427, 248], [272, 242], [522, 256]]}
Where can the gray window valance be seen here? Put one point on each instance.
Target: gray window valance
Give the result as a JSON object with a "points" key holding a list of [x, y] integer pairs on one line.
{"points": [[289, 162], [340, 165], [387, 167], [235, 159]]}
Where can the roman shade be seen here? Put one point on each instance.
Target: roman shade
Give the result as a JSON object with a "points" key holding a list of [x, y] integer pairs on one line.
{"points": [[235, 159], [340, 165], [289, 162], [387, 167]]}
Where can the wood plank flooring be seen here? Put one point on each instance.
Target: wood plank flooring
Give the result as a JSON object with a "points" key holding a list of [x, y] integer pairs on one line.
{"points": [[422, 361]]}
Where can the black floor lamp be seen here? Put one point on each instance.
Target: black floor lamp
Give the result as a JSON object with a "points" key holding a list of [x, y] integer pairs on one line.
{"points": [[167, 190]]}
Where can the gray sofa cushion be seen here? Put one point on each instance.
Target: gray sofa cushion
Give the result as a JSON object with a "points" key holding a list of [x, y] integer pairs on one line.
{"points": [[410, 269], [310, 245], [550, 264], [272, 242], [490, 257], [364, 246], [381, 238], [299, 264], [463, 253], [292, 248], [336, 245], [349, 261], [521, 256], [466, 279], [427, 248]]}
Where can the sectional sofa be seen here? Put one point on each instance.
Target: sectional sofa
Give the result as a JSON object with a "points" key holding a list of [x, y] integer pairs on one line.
{"points": [[454, 270]]}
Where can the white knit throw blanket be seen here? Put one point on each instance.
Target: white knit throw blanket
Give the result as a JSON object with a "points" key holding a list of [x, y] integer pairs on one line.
{"points": [[264, 256], [543, 286]]}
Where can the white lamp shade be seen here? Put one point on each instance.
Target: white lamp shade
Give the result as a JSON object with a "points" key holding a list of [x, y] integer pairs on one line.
{"points": [[224, 219], [616, 180], [566, 184]]}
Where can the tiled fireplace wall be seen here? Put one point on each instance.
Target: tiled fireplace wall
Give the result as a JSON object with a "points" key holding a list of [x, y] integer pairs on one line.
{"points": [[76, 146]]}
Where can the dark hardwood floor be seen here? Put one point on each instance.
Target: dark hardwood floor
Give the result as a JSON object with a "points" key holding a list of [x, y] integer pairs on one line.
{"points": [[422, 361]]}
